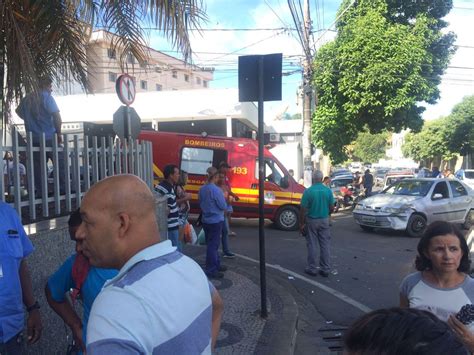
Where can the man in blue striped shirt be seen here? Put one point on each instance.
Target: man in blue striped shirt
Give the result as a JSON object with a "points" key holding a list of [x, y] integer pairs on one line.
{"points": [[161, 301], [166, 188]]}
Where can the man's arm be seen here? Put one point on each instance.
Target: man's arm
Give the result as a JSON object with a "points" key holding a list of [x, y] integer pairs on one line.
{"points": [[34, 326], [57, 125], [69, 316], [217, 310]]}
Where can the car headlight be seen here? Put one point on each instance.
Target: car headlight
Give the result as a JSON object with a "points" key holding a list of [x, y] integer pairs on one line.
{"points": [[392, 210], [396, 210], [358, 207]]}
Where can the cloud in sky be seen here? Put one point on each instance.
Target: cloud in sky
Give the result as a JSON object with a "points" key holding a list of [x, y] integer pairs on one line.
{"points": [[220, 49]]}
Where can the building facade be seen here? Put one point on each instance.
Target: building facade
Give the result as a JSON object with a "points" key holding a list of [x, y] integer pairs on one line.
{"points": [[160, 72]]}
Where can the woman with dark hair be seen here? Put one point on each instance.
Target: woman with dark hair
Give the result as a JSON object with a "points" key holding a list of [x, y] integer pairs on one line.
{"points": [[401, 331], [442, 285]]}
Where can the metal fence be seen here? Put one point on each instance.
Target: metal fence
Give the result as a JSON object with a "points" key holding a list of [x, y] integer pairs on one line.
{"points": [[77, 164]]}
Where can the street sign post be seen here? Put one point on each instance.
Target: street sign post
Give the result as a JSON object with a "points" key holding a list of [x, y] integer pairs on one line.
{"points": [[126, 120], [260, 80]]}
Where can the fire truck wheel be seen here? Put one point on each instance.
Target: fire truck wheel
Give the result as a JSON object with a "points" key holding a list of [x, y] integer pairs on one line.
{"points": [[287, 218]]}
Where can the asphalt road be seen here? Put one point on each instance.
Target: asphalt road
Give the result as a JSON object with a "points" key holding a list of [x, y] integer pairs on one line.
{"points": [[370, 266]]}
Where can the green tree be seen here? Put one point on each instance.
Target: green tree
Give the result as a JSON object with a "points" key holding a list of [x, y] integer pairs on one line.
{"points": [[388, 56], [461, 127], [431, 142], [39, 38], [370, 147]]}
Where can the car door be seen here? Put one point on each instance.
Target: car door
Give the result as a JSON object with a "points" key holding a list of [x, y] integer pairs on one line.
{"points": [[439, 208], [460, 202]]}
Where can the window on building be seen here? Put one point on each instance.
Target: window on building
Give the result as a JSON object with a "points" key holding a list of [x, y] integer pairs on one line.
{"points": [[144, 65], [112, 76], [175, 74], [205, 83], [159, 87], [143, 84], [186, 78], [174, 89], [111, 53], [130, 58], [198, 81]]}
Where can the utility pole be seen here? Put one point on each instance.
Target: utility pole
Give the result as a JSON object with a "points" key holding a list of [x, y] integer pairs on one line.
{"points": [[307, 96]]}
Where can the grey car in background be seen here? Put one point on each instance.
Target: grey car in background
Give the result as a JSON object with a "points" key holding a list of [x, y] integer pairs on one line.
{"points": [[412, 204]]}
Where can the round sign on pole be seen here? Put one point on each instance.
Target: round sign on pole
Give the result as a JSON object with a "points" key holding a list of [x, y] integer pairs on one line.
{"points": [[125, 88]]}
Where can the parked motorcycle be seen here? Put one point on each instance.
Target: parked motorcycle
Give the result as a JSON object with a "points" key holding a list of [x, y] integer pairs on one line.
{"points": [[344, 197]]}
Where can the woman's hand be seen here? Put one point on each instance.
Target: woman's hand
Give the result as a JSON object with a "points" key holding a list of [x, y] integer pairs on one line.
{"points": [[462, 331]]}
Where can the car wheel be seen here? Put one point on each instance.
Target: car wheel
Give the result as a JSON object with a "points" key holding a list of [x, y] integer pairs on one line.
{"points": [[367, 228], [416, 226], [469, 220], [287, 218]]}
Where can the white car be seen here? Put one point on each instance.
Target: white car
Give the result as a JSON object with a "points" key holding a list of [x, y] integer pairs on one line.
{"points": [[412, 204], [467, 176]]}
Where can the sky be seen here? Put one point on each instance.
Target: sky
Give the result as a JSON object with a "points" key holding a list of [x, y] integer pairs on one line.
{"points": [[249, 27]]}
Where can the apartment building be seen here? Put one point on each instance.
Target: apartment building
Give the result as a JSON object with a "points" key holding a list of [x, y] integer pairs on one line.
{"points": [[160, 72]]}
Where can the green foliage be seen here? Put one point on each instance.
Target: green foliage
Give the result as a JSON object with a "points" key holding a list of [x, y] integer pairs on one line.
{"points": [[461, 127], [444, 137], [432, 141], [370, 147], [382, 64]]}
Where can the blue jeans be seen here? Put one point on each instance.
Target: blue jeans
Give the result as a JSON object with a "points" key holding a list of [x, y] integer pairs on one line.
{"points": [[173, 235], [318, 233], [225, 236], [213, 237]]}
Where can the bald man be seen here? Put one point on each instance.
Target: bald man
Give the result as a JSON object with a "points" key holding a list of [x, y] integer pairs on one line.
{"points": [[161, 301]]}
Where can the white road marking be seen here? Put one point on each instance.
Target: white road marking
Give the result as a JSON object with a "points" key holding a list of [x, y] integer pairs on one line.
{"points": [[321, 286], [342, 217]]}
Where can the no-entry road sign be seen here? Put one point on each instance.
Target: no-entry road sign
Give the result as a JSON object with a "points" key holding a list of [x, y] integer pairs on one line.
{"points": [[125, 88]]}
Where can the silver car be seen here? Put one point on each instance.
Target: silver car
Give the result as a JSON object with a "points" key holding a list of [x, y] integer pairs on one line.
{"points": [[411, 204]]}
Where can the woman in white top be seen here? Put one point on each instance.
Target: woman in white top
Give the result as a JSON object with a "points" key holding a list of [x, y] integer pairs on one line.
{"points": [[442, 285]]}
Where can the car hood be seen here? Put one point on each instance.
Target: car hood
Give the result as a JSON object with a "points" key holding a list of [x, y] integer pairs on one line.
{"points": [[382, 200]]}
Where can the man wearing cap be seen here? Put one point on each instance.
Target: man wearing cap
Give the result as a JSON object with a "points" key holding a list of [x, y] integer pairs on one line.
{"points": [[316, 205], [224, 169]]}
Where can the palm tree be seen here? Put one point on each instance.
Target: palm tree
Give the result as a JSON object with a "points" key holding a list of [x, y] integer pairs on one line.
{"points": [[48, 37]]}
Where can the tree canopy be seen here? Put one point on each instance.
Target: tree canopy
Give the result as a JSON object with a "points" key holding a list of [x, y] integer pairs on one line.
{"points": [[387, 58], [47, 38], [461, 127], [370, 147], [444, 137], [432, 141]]}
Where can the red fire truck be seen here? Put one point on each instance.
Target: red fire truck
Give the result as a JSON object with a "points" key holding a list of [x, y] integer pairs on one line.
{"points": [[195, 153]]}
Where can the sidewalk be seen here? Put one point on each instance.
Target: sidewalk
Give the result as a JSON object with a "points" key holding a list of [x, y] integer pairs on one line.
{"points": [[293, 325]]}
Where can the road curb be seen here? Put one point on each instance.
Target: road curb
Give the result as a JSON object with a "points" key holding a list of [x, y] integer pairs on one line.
{"points": [[280, 331]]}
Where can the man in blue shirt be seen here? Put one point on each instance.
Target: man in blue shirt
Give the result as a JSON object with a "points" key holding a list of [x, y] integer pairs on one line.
{"points": [[213, 205], [167, 188], [316, 204], [41, 115], [64, 280], [15, 285]]}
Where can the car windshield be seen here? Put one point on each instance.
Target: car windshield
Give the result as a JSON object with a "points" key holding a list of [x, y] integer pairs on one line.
{"points": [[410, 188], [469, 174]]}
